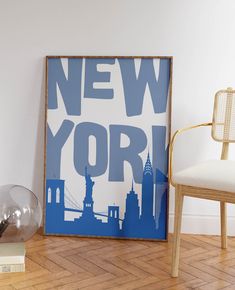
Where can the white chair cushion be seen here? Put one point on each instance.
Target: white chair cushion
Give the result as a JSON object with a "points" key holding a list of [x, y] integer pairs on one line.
{"points": [[214, 174]]}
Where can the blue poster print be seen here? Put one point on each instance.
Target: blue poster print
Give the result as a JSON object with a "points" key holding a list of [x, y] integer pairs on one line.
{"points": [[101, 179]]}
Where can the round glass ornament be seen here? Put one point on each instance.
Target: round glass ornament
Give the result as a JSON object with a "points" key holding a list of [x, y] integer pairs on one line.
{"points": [[20, 213]]}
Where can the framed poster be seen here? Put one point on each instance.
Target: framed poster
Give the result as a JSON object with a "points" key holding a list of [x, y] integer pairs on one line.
{"points": [[107, 136]]}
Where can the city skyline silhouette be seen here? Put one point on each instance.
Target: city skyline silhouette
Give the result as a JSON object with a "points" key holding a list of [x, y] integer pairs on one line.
{"points": [[144, 216]]}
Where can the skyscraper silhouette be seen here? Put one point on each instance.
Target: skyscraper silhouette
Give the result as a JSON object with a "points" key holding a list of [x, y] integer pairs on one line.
{"points": [[160, 191], [147, 218], [131, 221]]}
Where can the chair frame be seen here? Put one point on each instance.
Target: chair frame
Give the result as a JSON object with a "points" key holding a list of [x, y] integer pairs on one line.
{"points": [[204, 193]]}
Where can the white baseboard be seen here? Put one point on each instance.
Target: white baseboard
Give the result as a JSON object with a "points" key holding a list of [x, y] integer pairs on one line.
{"points": [[202, 224]]}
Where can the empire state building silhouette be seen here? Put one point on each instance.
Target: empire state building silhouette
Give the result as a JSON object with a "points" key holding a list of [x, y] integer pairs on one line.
{"points": [[147, 221]]}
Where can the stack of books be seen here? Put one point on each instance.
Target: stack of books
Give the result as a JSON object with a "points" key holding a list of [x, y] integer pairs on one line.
{"points": [[12, 257]]}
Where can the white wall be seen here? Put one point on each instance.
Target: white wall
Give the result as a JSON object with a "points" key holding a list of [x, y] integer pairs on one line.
{"points": [[198, 34]]}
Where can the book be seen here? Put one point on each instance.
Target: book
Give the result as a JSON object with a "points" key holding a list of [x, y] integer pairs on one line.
{"points": [[12, 254], [10, 268]]}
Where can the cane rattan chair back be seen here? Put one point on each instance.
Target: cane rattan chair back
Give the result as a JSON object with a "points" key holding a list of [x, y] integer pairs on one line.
{"points": [[223, 125]]}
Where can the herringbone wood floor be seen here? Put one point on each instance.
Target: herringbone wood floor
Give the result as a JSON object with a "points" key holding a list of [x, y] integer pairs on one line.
{"points": [[93, 264]]}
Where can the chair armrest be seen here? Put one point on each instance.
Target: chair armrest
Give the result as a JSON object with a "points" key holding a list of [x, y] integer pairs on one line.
{"points": [[172, 143]]}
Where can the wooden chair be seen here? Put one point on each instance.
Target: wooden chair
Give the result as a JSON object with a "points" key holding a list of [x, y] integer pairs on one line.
{"points": [[213, 180]]}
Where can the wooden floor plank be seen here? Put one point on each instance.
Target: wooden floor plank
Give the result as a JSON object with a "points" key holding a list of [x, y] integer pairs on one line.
{"points": [[63, 282], [137, 283], [88, 282], [112, 283], [220, 284]]}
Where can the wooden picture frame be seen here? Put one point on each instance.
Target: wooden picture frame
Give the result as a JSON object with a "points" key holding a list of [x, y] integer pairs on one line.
{"points": [[107, 131]]}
